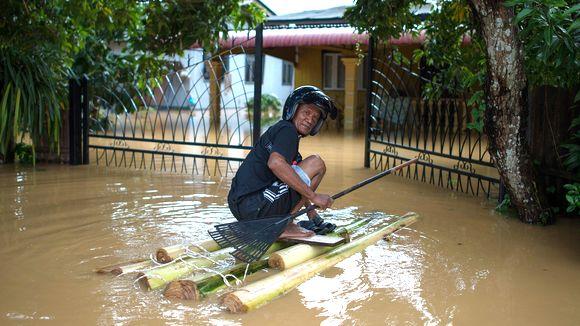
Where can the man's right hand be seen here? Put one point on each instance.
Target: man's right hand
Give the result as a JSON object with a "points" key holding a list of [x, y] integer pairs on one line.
{"points": [[322, 201]]}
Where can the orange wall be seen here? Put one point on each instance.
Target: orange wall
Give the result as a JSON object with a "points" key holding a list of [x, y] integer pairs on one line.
{"points": [[309, 67]]}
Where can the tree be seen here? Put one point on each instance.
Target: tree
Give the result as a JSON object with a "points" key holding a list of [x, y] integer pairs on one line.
{"points": [[44, 43], [494, 68]]}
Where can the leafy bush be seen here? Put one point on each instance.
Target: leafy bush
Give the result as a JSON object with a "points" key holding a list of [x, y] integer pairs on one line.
{"points": [[573, 197], [25, 153], [271, 109]]}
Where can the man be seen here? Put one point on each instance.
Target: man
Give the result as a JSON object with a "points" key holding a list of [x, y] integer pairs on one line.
{"points": [[273, 179]]}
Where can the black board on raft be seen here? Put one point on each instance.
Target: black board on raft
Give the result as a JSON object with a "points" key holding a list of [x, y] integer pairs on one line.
{"points": [[319, 240]]}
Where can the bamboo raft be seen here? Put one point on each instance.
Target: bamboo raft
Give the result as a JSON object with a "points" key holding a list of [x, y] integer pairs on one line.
{"points": [[193, 272]]}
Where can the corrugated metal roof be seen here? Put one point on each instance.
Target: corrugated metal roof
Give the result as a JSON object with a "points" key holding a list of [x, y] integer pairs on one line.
{"points": [[309, 37], [299, 37]]}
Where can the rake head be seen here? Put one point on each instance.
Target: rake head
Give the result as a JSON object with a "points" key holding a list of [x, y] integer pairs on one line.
{"points": [[250, 239]]}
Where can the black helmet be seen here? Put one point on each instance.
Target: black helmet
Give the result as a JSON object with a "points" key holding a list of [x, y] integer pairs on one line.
{"points": [[309, 95]]}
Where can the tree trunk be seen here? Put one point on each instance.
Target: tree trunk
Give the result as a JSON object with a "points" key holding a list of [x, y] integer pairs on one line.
{"points": [[506, 112]]}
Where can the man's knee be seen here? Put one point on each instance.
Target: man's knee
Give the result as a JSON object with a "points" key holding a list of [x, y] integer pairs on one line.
{"points": [[315, 164]]}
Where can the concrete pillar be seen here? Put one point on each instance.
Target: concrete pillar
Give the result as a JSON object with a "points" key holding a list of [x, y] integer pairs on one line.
{"points": [[215, 78], [350, 91]]}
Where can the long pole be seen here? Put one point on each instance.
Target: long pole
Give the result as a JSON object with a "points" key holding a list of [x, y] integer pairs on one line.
{"points": [[358, 185]]}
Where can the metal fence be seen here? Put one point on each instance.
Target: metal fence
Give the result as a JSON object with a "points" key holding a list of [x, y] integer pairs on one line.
{"points": [[401, 125], [195, 119]]}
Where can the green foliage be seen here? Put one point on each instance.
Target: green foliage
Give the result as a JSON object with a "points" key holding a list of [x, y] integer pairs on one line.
{"points": [[456, 68], [174, 25], [505, 204], [44, 43], [571, 159], [573, 197], [270, 107], [25, 153], [384, 19], [549, 31], [550, 34], [30, 100]]}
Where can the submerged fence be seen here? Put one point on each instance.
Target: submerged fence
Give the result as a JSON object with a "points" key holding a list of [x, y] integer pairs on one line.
{"points": [[401, 125], [195, 119]]}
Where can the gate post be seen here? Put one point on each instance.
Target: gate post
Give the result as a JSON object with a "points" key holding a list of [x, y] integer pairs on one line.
{"points": [[85, 111], [74, 109], [370, 54], [78, 121], [258, 58]]}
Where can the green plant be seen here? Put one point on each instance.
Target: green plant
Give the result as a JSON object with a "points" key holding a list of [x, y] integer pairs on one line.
{"points": [[505, 204], [25, 153], [30, 101], [571, 161], [572, 157], [549, 30], [573, 197], [271, 109]]}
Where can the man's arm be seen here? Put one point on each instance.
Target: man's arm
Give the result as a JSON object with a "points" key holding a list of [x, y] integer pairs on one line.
{"points": [[281, 169]]}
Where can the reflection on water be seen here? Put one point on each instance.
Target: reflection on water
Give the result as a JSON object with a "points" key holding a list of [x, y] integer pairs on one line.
{"points": [[461, 263]]}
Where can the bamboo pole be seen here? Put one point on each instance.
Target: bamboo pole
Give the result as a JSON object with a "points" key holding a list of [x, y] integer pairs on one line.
{"points": [[198, 286], [201, 285], [167, 254], [295, 255], [126, 267], [156, 277], [261, 292]]}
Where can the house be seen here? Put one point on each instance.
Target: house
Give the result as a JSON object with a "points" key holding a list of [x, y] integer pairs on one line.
{"points": [[309, 48], [325, 52]]}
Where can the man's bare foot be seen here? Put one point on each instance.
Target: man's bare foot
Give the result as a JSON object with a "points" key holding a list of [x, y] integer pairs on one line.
{"points": [[294, 231]]}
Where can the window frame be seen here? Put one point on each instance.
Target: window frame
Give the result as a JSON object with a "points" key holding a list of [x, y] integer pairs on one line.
{"points": [[287, 67], [335, 57], [247, 68]]}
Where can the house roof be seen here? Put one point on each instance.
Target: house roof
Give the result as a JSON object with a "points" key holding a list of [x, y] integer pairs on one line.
{"points": [[336, 36], [324, 16], [325, 27]]}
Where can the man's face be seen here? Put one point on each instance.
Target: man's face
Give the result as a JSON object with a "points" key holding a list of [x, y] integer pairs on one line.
{"points": [[306, 118]]}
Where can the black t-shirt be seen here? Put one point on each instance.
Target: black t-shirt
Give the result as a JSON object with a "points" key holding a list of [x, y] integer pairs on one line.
{"points": [[254, 173]]}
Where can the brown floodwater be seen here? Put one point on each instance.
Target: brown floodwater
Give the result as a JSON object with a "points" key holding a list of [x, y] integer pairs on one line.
{"points": [[462, 263]]}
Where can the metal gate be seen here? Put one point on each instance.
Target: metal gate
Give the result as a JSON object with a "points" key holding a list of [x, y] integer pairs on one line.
{"points": [[195, 119], [402, 125]]}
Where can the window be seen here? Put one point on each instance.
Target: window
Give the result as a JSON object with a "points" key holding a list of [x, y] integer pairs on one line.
{"points": [[287, 73], [250, 66], [333, 71]]}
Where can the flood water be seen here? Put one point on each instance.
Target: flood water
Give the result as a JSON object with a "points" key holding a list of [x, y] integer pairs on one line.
{"points": [[462, 263]]}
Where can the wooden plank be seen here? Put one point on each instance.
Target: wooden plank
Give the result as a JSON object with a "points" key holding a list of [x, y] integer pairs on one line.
{"points": [[319, 240]]}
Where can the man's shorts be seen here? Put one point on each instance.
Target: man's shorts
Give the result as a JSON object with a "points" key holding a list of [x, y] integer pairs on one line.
{"points": [[277, 199]]}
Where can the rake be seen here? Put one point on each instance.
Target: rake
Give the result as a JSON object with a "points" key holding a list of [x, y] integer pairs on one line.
{"points": [[252, 238]]}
